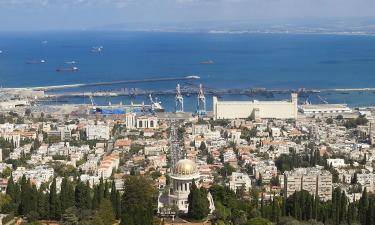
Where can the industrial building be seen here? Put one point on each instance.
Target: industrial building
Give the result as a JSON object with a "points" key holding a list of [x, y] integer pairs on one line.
{"points": [[315, 109], [256, 109]]}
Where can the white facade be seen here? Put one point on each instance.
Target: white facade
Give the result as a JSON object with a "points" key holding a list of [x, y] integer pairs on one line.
{"points": [[313, 180], [145, 122], [97, 132], [238, 181], [201, 129], [336, 162], [256, 109], [130, 121], [324, 109], [185, 172]]}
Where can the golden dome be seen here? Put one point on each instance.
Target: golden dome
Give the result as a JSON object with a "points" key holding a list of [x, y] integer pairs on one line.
{"points": [[185, 167]]}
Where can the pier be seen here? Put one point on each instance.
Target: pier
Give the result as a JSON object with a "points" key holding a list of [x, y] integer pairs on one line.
{"points": [[67, 86]]}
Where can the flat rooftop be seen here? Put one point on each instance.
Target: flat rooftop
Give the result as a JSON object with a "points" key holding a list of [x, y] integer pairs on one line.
{"points": [[324, 106]]}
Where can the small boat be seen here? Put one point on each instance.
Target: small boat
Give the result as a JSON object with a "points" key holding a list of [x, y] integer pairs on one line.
{"points": [[69, 69], [205, 62], [36, 61], [1, 51], [71, 62], [97, 49]]}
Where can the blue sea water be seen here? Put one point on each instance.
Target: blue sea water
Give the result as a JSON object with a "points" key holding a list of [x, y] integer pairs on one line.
{"points": [[241, 61]]}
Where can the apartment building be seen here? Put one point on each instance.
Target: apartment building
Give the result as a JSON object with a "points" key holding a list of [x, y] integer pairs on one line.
{"points": [[312, 179]]}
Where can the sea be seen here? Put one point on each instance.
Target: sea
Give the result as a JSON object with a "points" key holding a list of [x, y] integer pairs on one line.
{"points": [[244, 61]]}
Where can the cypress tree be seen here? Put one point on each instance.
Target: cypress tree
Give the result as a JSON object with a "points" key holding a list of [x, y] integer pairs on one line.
{"points": [[106, 190], [53, 201], [273, 214], [24, 206], [42, 204], [64, 195], [11, 188], [351, 213], [262, 206], [198, 203], [87, 195], [370, 220], [362, 208], [118, 205], [100, 194], [343, 209], [137, 201], [95, 198], [283, 212], [113, 198], [295, 205]]}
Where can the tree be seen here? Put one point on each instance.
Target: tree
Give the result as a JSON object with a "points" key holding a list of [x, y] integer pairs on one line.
{"points": [[115, 200], [203, 146], [5, 200], [329, 121], [82, 196], [275, 181], [106, 213], [138, 201], [221, 212], [198, 203], [363, 206], [27, 112], [259, 221], [67, 195], [210, 159], [54, 210], [70, 217]]}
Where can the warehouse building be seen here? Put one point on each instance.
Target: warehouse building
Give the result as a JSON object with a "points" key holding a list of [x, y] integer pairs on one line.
{"points": [[256, 109]]}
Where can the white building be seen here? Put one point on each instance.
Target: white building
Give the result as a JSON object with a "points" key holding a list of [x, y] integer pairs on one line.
{"points": [[309, 109], [315, 181], [238, 181], [256, 109], [336, 163], [182, 177], [276, 132], [107, 165], [201, 129], [130, 121], [147, 122], [97, 132]]}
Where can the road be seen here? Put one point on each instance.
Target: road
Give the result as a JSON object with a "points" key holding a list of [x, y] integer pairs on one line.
{"points": [[175, 148]]}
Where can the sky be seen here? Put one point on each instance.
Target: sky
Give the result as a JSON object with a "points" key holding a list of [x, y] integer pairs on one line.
{"points": [[32, 15]]}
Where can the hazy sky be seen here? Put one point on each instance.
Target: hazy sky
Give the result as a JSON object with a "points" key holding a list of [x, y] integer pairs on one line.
{"points": [[85, 14]]}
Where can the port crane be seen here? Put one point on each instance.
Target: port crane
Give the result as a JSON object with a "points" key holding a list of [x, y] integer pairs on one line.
{"points": [[201, 102], [93, 103], [179, 100]]}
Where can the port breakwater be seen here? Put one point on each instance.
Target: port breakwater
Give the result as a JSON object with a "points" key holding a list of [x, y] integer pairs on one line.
{"points": [[108, 83]]}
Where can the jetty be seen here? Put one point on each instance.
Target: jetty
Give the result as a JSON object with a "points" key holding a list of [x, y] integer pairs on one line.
{"points": [[107, 83]]}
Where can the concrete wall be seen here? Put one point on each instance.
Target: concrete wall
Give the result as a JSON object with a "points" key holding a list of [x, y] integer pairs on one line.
{"points": [[266, 109]]}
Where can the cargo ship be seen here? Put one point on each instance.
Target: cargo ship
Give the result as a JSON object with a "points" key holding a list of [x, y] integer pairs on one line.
{"points": [[69, 69], [36, 61]]}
